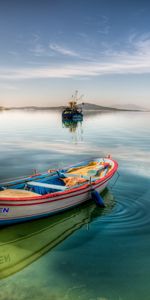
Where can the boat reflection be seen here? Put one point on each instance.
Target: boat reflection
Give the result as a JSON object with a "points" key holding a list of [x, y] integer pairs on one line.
{"points": [[22, 244], [75, 128]]}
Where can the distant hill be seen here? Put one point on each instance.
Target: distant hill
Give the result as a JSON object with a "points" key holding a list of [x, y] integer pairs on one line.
{"points": [[129, 107], [95, 107], [36, 108], [91, 106], [87, 107]]}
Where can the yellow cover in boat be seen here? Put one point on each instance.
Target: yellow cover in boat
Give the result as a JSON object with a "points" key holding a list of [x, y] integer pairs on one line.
{"points": [[12, 193]]}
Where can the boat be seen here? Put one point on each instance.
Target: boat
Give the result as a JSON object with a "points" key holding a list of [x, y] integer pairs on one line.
{"points": [[54, 191], [72, 111], [22, 244]]}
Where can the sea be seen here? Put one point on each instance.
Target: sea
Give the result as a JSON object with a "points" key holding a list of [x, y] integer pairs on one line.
{"points": [[87, 253]]}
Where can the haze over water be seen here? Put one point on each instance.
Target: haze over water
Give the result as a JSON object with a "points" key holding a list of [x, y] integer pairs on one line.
{"points": [[101, 254]]}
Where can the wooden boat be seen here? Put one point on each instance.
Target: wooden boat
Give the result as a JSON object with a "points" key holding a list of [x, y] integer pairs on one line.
{"points": [[22, 244], [54, 191]]}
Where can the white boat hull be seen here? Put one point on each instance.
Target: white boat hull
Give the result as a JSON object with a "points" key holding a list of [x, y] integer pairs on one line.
{"points": [[23, 212]]}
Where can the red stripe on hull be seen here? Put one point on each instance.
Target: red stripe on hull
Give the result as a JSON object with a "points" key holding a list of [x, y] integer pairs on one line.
{"points": [[68, 195]]}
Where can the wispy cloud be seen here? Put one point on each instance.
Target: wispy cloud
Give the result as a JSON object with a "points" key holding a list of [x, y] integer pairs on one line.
{"points": [[62, 50], [142, 45], [38, 50], [134, 61]]}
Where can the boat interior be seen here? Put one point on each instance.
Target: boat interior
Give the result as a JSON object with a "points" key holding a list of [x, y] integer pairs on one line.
{"points": [[57, 181]]}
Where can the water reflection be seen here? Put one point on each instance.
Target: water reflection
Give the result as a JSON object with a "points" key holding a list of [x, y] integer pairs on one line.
{"points": [[75, 128], [99, 263], [22, 244]]}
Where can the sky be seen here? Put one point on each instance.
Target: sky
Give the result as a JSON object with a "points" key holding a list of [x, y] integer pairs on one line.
{"points": [[50, 48]]}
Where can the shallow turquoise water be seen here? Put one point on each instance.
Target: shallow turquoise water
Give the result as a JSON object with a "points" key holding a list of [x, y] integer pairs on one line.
{"points": [[88, 253]]}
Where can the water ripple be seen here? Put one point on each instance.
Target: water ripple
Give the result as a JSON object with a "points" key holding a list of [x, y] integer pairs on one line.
{"points": [[128, 216]]}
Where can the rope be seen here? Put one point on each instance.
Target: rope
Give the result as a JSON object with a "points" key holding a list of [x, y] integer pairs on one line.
{"points": [[118, 175]]}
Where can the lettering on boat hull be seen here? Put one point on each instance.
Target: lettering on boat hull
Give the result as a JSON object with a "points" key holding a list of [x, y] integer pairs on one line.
{"points": [[4, 210]]}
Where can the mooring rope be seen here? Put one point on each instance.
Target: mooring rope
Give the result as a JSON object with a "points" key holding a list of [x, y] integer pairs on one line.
{"points": [[118, 175]]}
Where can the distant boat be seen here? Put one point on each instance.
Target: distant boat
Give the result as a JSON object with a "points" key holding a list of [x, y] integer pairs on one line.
{"points": [[72, 111], [54, 191]]}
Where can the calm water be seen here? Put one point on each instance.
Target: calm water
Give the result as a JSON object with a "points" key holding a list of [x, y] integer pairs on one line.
{"points": [[87, 253]]}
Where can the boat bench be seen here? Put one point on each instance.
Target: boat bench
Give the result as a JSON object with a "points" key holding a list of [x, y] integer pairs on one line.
{"points": [[46, 185]]}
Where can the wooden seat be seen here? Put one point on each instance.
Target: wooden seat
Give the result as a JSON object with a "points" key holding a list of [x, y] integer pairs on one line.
{"points": [[46, 185]]}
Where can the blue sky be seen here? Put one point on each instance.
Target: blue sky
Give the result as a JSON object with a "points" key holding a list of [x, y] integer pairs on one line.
{"points": [[49, 49]]}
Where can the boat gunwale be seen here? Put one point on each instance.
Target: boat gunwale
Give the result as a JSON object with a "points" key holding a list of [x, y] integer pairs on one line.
{"points": [[60, 193]]}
